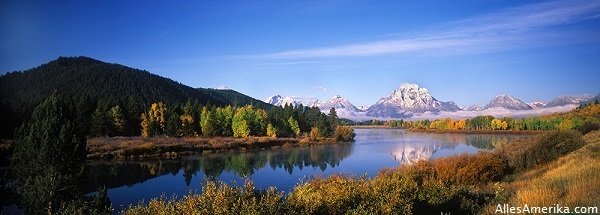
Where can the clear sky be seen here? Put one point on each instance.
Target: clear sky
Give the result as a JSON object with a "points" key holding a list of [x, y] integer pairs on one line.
{"points": [[465, 51]]}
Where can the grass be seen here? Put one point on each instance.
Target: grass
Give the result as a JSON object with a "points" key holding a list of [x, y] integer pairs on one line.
{"points": [[567, 172], [140, 147], [572, 180]]}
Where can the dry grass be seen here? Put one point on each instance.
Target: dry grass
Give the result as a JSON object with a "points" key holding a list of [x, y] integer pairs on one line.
{"points": [[573, 180], [139, 147]]}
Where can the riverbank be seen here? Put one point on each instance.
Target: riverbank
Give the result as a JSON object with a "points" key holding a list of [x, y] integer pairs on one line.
{"points": [[141, 147], [437, 131], [538, 171]]}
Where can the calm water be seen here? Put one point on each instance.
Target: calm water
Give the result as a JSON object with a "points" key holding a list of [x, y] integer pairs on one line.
{"points": [[130, 182]]}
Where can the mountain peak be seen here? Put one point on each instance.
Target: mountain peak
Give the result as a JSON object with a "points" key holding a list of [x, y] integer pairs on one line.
{"points": [[508, 102], [409, 97], [407, 85], [339, 103], [567, 100]]}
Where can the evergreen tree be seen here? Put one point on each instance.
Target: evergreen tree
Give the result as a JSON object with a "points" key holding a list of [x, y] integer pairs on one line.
{"points": [[334, 121], [173, 126], [101, 123], [48, 158]]}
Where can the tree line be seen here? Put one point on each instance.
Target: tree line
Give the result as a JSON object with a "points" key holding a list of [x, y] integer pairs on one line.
{"points": [[585, 117], [191, 119]]}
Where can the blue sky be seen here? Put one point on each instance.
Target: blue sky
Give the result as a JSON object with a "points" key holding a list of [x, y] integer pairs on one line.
{"points": [[467, 51]]}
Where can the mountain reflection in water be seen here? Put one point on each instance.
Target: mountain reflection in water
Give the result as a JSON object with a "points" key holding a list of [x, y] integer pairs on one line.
{"points": [[130, 182]]}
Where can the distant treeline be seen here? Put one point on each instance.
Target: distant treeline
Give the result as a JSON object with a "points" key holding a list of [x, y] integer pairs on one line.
{"points": [[585, 117]]}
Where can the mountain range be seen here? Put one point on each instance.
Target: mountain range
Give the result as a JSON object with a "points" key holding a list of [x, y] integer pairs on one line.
{"points": [[410, 99], [84, 78]]}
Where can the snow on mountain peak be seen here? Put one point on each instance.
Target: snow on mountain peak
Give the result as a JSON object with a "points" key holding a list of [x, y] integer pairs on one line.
{"points": [[409, 97], [537, 104], [566, 100], [507, 102], [274, 100], [279, 100], [339, 103]]}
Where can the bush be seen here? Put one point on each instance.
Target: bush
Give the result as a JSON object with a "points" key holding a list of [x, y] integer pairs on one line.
{"points": [[218, 198], [466, 169], [314, 134], [589, 125], [545, 148], [344, 133]]}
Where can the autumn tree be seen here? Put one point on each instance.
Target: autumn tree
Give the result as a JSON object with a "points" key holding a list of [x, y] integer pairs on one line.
{"points": [[271, 130], [153, 122], [239, 123], [566, 124], [498, 124], [314, 134], [207, 122]]}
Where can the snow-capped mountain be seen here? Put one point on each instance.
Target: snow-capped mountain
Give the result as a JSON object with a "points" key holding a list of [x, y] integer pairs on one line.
{"points": [[474, 108], [507, 102], [339, 103], [279, 100], [567, 100], [537, 104], [274, 100], [409, 98], [593, 100], [363, 107]]}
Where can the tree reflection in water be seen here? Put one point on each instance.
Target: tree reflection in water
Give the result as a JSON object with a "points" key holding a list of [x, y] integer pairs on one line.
{"points": [[119, 173]]}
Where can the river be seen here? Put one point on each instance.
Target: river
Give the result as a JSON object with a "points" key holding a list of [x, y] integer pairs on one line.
{"points": [[130, 182]]}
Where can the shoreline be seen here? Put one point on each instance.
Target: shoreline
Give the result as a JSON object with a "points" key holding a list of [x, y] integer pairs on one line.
{"points": [[437, 131], [124, 148], [373, 127]]}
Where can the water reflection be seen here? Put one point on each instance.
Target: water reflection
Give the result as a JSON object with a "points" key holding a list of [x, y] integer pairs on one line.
{"points": [[409, 147], [118, 173], [132, 181]]}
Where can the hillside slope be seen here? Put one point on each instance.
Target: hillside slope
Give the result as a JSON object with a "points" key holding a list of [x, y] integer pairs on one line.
{"points": [[84, 77]]}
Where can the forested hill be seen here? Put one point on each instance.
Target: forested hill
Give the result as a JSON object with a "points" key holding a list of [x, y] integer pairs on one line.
{"points": [[100, 83]]}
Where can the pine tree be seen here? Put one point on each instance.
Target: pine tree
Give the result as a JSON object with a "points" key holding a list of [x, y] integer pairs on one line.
{"points": [[101, 123], [48, 157]]}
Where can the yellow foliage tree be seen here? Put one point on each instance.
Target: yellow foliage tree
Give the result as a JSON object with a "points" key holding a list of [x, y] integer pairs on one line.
{"points": [[566, 124], [271, 130], [498, 124], [153, 122]]}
